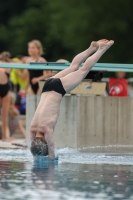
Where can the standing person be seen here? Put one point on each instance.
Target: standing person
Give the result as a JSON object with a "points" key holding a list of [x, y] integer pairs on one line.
{"points": [[18, 77], [35, 51], [47, 112], [4, 96]]}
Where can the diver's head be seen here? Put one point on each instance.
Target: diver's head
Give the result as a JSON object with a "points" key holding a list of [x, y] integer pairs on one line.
{"points": [[39, 147]]}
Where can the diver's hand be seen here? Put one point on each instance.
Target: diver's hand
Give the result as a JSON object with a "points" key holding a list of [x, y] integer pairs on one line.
{"points": [[53, 158], [56, 158]]}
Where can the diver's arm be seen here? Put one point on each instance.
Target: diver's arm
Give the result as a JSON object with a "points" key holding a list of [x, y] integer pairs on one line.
{"points": [[50, 142]]}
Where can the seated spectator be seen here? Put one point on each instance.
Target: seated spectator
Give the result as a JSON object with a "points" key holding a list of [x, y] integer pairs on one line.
{"points": [[14, 122]]}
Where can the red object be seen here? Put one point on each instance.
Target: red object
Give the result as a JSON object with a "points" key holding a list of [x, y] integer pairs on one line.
{"points": [[118, 87], [22, 93]]}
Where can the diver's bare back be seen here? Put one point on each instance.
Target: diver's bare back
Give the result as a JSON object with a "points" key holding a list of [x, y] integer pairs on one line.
{"points": [[47, 112]]}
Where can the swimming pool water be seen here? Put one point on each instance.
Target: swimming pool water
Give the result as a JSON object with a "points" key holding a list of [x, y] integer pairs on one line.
{"points": [[76, 176]]}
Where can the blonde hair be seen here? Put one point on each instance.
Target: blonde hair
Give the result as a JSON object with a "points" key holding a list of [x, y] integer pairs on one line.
{"points": [[13, 113], [62, 61], [38, 44]]}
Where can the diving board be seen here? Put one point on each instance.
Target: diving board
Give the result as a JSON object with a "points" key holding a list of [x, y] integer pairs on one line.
{"points": [[108, 67]]}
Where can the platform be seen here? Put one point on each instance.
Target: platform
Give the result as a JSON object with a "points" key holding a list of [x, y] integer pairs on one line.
{"points": [[8, 145]]}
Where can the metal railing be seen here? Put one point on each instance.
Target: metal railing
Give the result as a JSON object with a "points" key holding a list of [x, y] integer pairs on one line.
{"points": [[108, 67]]}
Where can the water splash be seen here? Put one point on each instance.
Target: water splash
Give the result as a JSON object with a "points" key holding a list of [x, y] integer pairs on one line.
{"points": [[68, 155], [74, 156]]}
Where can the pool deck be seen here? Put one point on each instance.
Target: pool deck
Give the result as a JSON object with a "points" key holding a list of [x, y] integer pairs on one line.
{"points": [[18, 137], [9, 145]]}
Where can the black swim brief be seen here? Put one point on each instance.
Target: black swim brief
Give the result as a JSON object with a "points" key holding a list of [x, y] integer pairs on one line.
{"points": [[54, 84], [4, 89]]}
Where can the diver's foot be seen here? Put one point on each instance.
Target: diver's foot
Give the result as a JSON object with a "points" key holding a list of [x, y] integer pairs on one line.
{"points": [[95, 44], [105, 45]]}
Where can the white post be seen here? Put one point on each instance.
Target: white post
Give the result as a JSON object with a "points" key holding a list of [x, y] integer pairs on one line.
{"points": [[30, 110]]}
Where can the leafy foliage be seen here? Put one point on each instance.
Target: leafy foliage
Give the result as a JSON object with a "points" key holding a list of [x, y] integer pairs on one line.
{"points": [[67, 27]]}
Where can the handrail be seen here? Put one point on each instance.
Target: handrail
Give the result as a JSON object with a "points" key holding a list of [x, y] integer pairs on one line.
{"points": [[109, 67]]}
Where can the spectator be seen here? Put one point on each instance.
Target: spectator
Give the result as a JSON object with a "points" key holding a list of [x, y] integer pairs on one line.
{"points": [[22, 58], [35, 51], [14, 122], [5, 57], [123, 75], [19, 77], [4, 96], [120, 74]]}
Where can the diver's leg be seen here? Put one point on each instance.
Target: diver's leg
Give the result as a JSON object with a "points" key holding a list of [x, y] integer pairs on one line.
{"points": [[78, 59], [73, 79]]}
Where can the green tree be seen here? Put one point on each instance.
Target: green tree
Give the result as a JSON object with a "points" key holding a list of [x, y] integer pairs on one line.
{"points": [[67, 27]]}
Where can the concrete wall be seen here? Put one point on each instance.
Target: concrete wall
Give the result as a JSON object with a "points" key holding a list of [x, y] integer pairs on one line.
{"points": [[31, 104], [91, 123]]}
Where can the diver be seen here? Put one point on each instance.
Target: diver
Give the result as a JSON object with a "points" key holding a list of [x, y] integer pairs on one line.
{"points": [[47, 112]]}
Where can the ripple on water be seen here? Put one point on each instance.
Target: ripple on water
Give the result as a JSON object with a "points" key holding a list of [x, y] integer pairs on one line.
{"points": [[21, 178], [67, 155], [74, 156], [15, 154]]}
